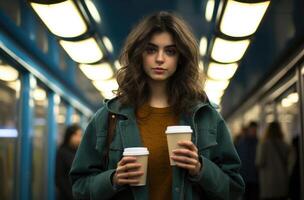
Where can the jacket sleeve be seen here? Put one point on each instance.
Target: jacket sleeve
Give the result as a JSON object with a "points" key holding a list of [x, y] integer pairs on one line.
{"points": [[88, 179], [220, 177]]}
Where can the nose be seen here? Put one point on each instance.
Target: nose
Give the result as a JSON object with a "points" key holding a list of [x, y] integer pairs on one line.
{"points": [[160, 57]]}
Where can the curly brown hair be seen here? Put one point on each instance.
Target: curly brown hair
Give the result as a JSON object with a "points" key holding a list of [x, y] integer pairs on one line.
{"points": [[184, 88]]}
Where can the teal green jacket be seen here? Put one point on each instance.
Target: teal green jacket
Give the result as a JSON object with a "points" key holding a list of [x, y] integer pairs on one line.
{"points": [[218, 179]]}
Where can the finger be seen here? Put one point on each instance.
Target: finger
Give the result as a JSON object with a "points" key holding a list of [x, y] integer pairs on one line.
{"points": [[185, 152], [125, 160], [128, 167], [189, 167], [185, 160], [128, 181], [130, 175], [188, 144]]}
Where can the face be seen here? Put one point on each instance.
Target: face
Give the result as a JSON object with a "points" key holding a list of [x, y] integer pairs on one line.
{"points": [[160, 57], [76, 138]]}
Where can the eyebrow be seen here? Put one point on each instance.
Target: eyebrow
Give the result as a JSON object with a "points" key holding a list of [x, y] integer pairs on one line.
{"points": [[154, 45]]}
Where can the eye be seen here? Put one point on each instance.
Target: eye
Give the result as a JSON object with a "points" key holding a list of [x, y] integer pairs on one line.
{"points": [[150, 50], [171, 51]]}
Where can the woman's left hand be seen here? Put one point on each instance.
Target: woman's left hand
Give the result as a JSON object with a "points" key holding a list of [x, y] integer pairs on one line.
{"points": [[187, 157]]}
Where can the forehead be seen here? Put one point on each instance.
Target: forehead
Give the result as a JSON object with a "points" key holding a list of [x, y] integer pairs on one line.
{"points": [[162, 39]]}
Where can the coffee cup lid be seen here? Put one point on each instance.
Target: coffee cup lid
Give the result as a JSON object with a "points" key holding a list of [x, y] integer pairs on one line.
{"points": [[178, 129], [135, 151]]}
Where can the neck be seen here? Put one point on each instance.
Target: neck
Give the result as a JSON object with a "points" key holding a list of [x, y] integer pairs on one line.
{"points": [[159, 98]]}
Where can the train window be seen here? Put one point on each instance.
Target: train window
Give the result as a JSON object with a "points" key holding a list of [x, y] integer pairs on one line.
{"points": [[61, 112], [9, 112], [11, 9], [287, 108], [40, 136]]}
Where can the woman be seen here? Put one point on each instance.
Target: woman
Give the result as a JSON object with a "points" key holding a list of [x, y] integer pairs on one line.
{"points": [[272, 163], [159, 85], [64, 159]]}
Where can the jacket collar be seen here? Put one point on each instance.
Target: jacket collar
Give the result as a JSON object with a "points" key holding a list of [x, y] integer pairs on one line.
{"points": [[114, 106]]}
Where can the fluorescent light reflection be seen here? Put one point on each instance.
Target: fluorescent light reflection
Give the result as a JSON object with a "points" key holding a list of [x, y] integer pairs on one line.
{"points": [[93, 10], [203, 46], [227, 51], [107, 42], [242, 19], [291, 99], [201, 66], [101, 71], [84, 51], [8, 133], [39, 94], [117, 65], [62, 19], [8, 73], [219, 71], [209, 10]]}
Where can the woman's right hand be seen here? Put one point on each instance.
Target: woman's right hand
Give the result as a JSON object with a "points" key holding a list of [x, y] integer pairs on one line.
{"points": [[127, 171]]}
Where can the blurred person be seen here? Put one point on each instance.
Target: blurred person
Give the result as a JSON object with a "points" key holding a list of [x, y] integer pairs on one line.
{"points": [[64, 158], [159, 85], [246, 147], [272, 161]]}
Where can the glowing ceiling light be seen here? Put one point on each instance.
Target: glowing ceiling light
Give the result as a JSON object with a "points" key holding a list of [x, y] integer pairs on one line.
{"points": [[209, 10], [62, 19], [57, 99], [242, 19], [203, 46], [106, 85], [39, 94], [84, 51], [15, 85], [216, 85], [293, 97], [107, 43], [286, 103], [8, 73], [227, 51], [219, 71], [93, 10], [101, 71]]}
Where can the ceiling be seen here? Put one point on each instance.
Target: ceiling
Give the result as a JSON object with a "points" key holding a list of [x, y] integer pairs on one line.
{"points": [[280, 32]]}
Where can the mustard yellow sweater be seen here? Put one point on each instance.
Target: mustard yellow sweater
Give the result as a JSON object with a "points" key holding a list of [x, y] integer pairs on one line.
{"points": [[152, 123]]}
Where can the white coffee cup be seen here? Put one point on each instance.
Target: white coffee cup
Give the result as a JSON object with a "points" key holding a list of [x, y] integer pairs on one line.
{"points": [[176, 134], [141, 153]]}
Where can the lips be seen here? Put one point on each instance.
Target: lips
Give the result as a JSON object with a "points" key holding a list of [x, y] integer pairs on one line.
{"points": [[158, 70]]}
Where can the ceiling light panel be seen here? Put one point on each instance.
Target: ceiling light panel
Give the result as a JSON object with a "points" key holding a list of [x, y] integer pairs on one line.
{"points": [[101, 71], [219, 71], [62, 19], [84, 51], [227, 51], [242, 19]]}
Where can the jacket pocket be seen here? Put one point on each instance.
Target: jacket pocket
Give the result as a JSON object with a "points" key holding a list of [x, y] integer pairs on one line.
{"points": [[101, 138], [206, 139]]}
